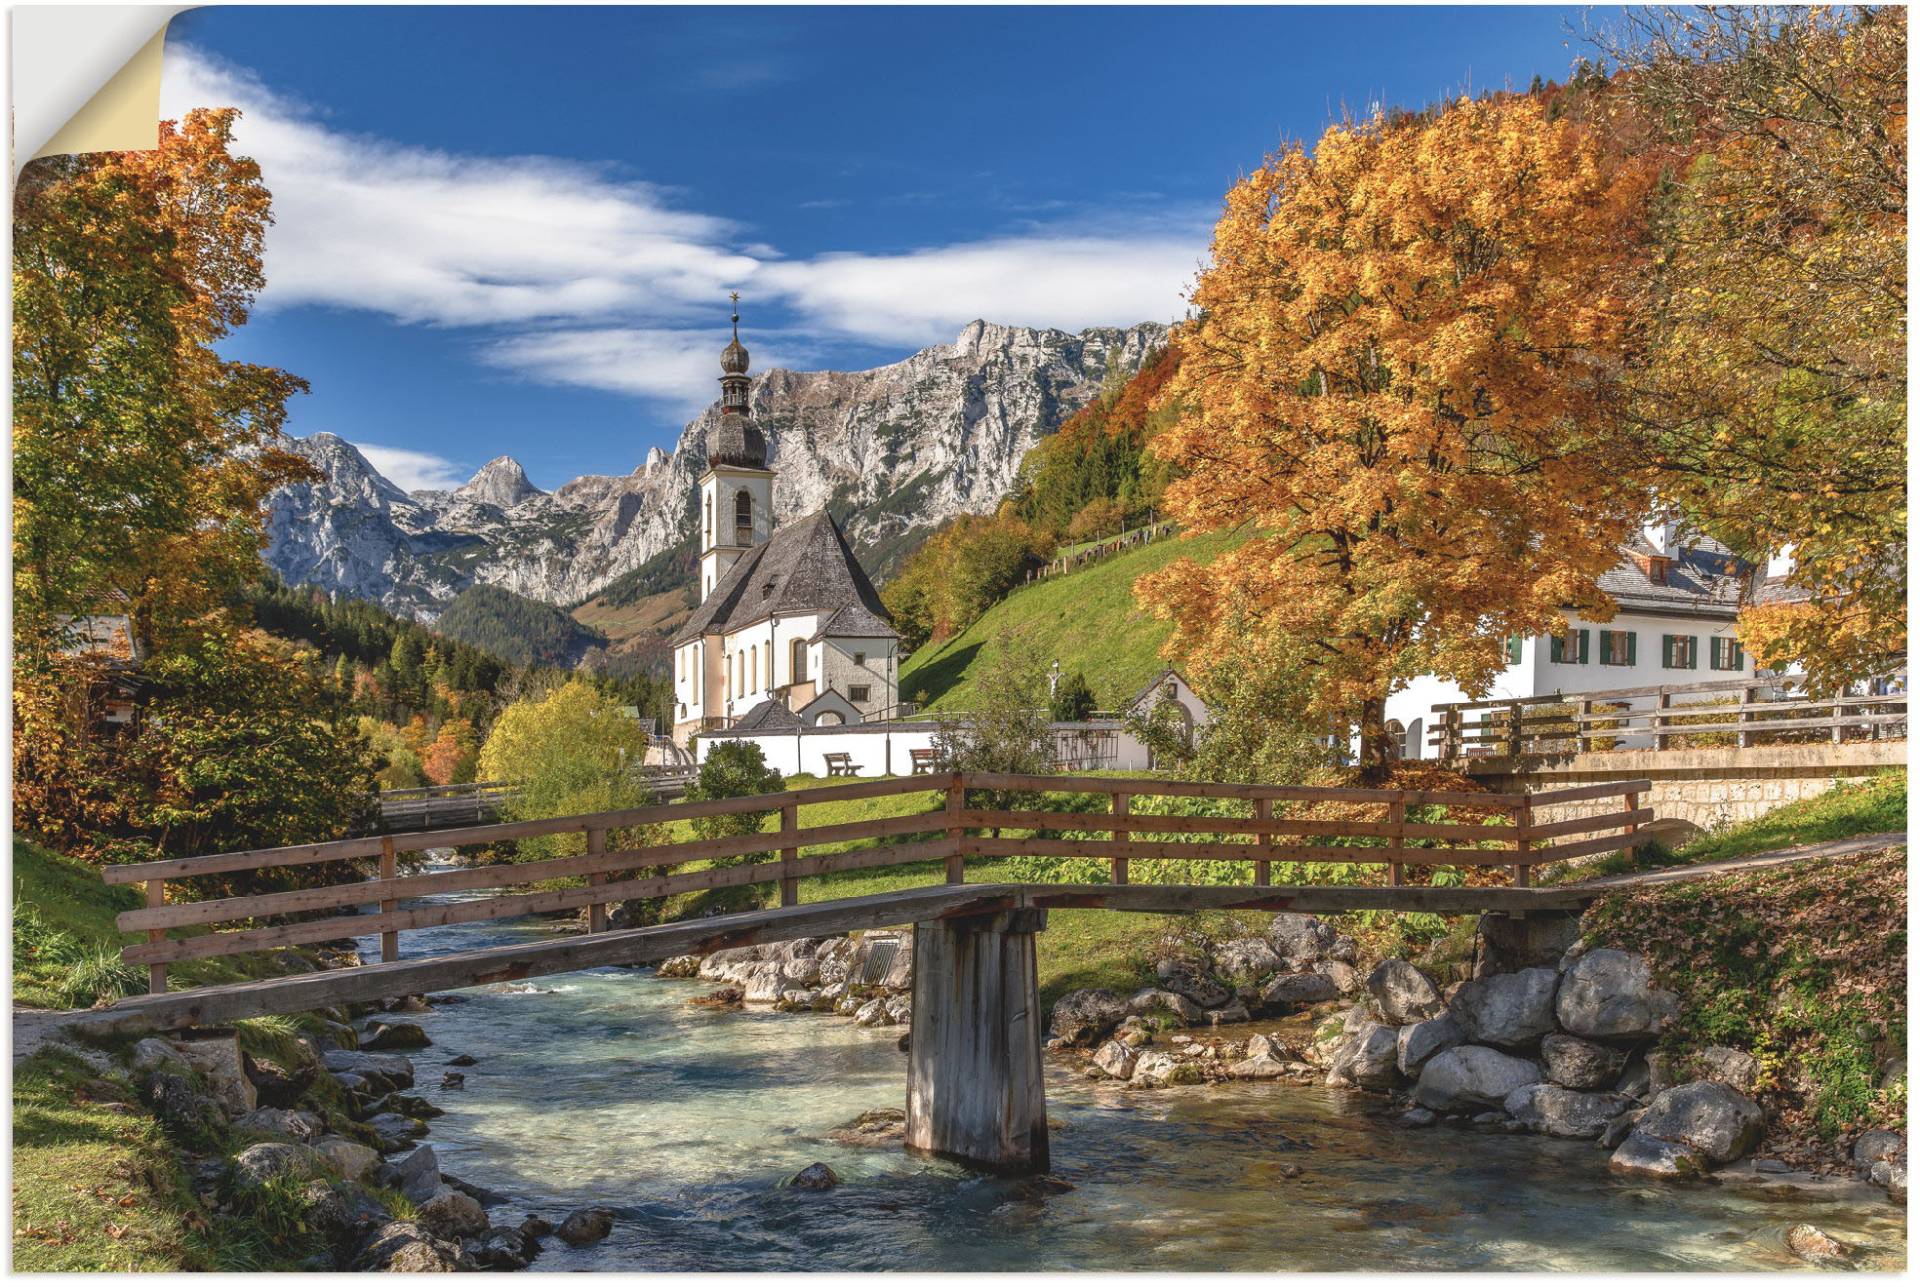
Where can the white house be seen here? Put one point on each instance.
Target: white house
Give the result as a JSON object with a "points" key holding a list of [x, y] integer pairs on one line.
{"points": [[789, 627], [1678, 596]]}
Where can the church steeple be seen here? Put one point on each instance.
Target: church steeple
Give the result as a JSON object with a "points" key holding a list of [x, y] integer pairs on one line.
{"points": [[734, 440], [736, 491]]}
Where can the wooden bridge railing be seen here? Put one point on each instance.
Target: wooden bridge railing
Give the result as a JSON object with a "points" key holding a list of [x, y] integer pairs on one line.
{"points": [[1737, 713], [1510, 837]]}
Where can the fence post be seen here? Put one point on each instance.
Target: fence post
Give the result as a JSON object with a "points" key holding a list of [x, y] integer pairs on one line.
{"points": [[1662, 704], [1583, 727], [1522, 823], [1263, 867], [157, 972], [1514, 744], [1633, 805], [1744, 739], [956, 804], [1839, 713], [390, 939], [596, 912], [1397, 837], [1121, 802], [790, 883]]}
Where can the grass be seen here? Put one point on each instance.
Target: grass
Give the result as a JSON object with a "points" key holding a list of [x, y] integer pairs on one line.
{"points": [[1087, 619]]}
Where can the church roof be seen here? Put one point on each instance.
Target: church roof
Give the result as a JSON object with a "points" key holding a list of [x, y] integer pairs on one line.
{"points": [[769, 716], [807, 567]]}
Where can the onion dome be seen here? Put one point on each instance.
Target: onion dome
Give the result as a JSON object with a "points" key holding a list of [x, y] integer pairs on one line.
{"points": [[734, 439]]}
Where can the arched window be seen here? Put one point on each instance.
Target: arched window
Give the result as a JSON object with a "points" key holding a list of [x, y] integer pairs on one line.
{"points": [[799, 661], [753, 672], [743, 510]]}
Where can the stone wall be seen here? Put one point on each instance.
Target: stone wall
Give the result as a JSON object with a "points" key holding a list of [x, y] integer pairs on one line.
{"points": [[1704, 788]]}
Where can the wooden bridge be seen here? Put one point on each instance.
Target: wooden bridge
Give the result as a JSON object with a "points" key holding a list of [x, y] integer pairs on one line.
{"points": [[462, 804], [974, 1084]]}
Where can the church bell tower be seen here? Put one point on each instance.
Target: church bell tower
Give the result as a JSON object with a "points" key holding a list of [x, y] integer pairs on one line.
{"points": [[736, 491]]}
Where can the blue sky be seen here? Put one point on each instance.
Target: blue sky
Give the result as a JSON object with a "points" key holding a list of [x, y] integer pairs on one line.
{"points": [[510, 231]]}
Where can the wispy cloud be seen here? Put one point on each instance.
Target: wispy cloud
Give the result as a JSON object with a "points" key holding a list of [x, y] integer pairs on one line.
{"points": [[677, 368], [413, 471]]}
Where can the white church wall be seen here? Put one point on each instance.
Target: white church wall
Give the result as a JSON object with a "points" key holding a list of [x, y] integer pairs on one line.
{"points": [[880, 749], [849, 664]]}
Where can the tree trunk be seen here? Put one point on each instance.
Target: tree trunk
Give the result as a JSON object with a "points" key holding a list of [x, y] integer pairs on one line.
{"points": [[1375, 746]]}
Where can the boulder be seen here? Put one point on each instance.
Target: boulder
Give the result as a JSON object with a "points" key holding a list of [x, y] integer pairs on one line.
{"points": [[1159, 1068], [416, 1176], [275, 1087], [395, 1036], [587, 1225], [404, 1247], [1369, 1057], [1817, 1247], [352, 1161], [1290, 991], [1271, 1047], [258, 1163], [1403, 994], [1716, 1121], [818, 1176], [1257, 1068], [1344, 950], [218, 1060], [395, 1131], [188, 1112], [1897, 1182], [383, 1071], [1609, 994], [150, 1054], [1203, 990], [302, 1128], [1555, 1110], [875, 1126], [1620, 1127], [1243, 962], [1419, 1042], [1300, 939], [1652, 1158], [872, 1014], [503, 1250], [900, 1008], [1232, 1012], [1345, 979], [716, 965], [450, 1213], [1510, 943], [1730, 1067], [1115, 1059], [1170, 1008], [1084, 1016], [1878, 1146], [679, 967], [1512, 1011], [1470, 1077], [1579, 1064]]}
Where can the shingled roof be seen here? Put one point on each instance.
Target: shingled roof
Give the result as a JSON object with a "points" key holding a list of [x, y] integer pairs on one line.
{"points": [[1704, 579], [807, 567]]}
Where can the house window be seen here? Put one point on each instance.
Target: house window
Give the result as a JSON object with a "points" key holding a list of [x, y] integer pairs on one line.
{"points": [[1514, 644], [859, 659], [753, 674], [1680, 652], [743, 510], [1569, 649], [1617, 647], [799, 661], [858, 693], [1726, 654]]}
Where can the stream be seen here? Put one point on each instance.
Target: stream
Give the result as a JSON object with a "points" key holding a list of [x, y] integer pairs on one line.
{"points": [[606, 1088]]}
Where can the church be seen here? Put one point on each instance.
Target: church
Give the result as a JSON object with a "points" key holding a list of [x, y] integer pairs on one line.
{"points": [[790, 632]]}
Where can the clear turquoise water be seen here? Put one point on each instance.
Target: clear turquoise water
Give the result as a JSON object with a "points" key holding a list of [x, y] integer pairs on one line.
{"points": [[606, 1088]]}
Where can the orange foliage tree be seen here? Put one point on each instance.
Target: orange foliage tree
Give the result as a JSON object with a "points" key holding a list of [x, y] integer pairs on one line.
{"points": [[1401, 376]]}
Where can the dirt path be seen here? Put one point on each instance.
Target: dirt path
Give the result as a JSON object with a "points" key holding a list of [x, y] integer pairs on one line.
{"points": [[33, 1029], [1752, 862]]}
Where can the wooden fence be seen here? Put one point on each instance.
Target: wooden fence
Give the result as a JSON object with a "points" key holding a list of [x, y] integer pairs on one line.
{"points": [[1271, 827], [1738, 713]]}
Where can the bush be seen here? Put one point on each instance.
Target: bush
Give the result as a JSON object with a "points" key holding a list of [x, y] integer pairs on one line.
{"points": [[570, 752], [731, 771], [1072, 698]]}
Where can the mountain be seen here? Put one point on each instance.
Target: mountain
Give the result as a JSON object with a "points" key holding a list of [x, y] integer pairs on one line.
{"points": [[519, 629], [892, 451]]}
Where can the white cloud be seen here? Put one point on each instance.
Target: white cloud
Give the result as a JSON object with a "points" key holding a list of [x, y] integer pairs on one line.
{"points": [[412, 471], [679, 368]]}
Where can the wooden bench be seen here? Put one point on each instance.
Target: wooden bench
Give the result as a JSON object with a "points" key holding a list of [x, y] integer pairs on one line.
{"points": [[925, 759], [840, 765]]}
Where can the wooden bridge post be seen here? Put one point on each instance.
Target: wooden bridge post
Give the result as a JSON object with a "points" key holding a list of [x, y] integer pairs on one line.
{"points": [[1632, 829], [1583, 727], [1121, 802], [389, 939], [789, 884], [976, 1088], [956, 804], [1839, 714], [1662, 704], [1522, 823], [157, 972], [596, 912], [1263, 867], [1515, 746], [1744, 739], [1397, 823]]}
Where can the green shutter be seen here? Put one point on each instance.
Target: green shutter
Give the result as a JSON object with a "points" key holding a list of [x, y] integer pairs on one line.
{"points": [[1713, 653], [1633, 645], [1513, 650], [1556, 648], [1737, 656], [1666, 651], [1583, 647], [1693, 652]]}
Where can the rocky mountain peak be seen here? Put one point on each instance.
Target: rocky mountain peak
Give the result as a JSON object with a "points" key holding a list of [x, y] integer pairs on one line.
{"points": [[501, 481]]}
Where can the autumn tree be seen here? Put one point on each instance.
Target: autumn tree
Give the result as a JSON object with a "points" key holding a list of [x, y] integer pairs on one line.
{"points": [[453, 754], [1772, 405], [569, 751], [1401, 381]]}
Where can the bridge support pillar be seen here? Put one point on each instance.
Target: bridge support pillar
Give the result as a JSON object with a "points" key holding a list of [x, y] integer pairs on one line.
{"points": [[975, 1084], [1520, 941]]}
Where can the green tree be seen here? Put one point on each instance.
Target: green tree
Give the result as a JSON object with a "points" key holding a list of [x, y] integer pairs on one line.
{"points": [[731, 771], [1072, 698], [569, 752], [1009, 732]]}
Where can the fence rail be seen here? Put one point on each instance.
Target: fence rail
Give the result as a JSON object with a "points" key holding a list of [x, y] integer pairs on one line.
{"points": [[621, 866], [1740, 713]]}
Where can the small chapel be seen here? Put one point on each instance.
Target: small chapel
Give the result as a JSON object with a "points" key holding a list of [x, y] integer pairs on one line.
{"points": [[790, 632]]}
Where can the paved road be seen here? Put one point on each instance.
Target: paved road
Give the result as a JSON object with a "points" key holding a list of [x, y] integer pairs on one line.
{"points": [[1752, 862]]}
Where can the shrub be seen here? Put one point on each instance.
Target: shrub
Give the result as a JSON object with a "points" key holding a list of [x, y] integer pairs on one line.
{"points": [[1072, 698], [733, 770]]}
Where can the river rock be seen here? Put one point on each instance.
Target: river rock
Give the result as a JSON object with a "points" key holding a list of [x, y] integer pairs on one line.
{"points": [[1609, 994], [1619, 1128], [1116, 1059], [404, 1247], [416, 1176], [1644, 1155], [1260, 1067], [395, 1131], [351, 1160], [1345, 979], [717, 965], [1204, 991], [1243, 962], [1266, 1045], [276, 1087], [818, 1177], [1417, 1117], [900, 1008], [395, 1036], [1169, 1009], [587, 1225], [1403, 994], [1419, 1042], [872, 1014], [1231, 1012], [1878, 1146], [382, 1071], [1160, 1068], [217, 1059], [679, 967], [1730, 1067], [1290, 991], [875, 1126], [1816, 1246], [301, 1128], [503, 1250], [1512, 1011], [187, 1111], [1084, 1016], [1716, 1121], [1300, 939], [258, 1163], [1369, 1058], [450, 1213], [1897, 1182], [1579, 1064], [1469, 1077], [1571, 1114]]}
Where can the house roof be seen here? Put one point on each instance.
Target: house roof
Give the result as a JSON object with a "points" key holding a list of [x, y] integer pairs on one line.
{"points": [[1154, 683], [106, 636], [768, 717], [1774, 589], [807, 567], [1704, 578]]}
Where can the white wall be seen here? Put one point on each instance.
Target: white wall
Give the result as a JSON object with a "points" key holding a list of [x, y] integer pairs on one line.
{"points": [[880, 749], [842, 673]]}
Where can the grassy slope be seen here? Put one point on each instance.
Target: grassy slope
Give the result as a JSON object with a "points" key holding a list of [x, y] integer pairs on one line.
{"points": [[1087, 619]]}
